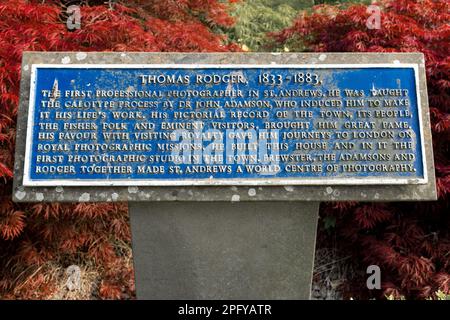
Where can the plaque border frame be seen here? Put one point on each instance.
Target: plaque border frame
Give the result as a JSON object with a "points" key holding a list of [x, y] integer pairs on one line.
{"points": [[370, 193]]}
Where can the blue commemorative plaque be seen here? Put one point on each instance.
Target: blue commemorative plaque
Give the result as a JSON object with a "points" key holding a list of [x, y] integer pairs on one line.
{"points": [[191, 124]]}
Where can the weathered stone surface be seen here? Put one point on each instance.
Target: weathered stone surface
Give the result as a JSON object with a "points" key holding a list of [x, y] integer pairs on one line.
{"points": [[214, 250], [221, 193]]}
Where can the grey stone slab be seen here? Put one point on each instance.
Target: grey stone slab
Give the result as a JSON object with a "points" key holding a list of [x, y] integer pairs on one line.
{"points": [[407, 192], [216, 250]]}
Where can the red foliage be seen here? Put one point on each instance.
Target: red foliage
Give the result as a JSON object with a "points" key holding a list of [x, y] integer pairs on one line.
{"points": [[409, 241], [33, 235]]}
